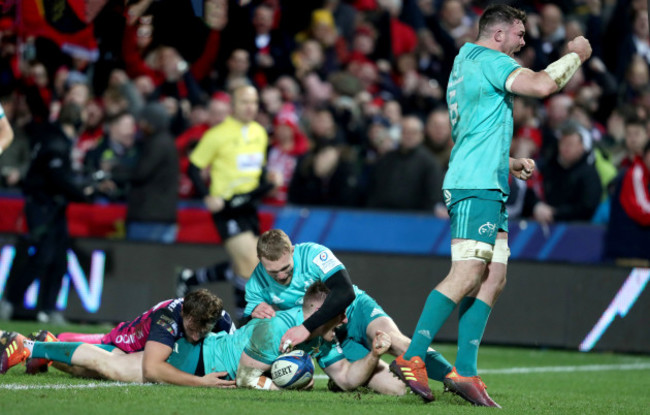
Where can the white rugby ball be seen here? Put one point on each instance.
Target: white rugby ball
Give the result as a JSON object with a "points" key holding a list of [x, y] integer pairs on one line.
{"points": [[292, 370]]}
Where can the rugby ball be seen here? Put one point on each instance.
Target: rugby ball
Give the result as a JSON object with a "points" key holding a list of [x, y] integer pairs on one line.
{"points": [[292, 370]]}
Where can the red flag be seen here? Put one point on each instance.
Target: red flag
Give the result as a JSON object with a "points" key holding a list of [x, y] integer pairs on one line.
{"points": [[66, 22]]}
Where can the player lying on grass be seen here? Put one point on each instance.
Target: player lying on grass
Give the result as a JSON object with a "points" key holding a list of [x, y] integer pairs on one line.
{"points": [[245, 355], [150, 337], [281, 278]]}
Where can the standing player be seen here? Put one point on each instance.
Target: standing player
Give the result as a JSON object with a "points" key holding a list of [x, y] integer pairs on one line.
{"points": [[235, 151], [153, 332], [479, 96], [281, 278]]}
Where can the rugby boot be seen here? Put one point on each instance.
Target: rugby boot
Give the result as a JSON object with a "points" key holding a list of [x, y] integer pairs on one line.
{"points": [[470, 388], [36, 365], [12, 350], [413, 373]]}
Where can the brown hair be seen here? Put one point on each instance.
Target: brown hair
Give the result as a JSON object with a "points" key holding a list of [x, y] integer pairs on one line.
{"points": [[318, 291], [273, 244], [496, 14], [202, 307]]}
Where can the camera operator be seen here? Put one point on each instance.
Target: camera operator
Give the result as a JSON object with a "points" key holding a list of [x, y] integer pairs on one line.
{"points": [[48, 188]]}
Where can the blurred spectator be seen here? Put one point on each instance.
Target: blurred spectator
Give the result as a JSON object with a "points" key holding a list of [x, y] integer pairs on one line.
{"points": [[558, 110], [115, 156], [14, 148], [628, 231], [408, 178], [218, 110], [91, 134], [345, 17], [269, 47], [636, 138], [288, 143], [635, 43], [546, 35], [48, 187], [571, 185], [323, 130], [237, 71], [153, 192], [456, 23], [438, 136], [326, 176]]}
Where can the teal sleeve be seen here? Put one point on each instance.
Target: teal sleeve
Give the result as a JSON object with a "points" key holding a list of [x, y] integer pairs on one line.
{"points": [[328, 354], [254, 294], [323, 262], [498, 69]]}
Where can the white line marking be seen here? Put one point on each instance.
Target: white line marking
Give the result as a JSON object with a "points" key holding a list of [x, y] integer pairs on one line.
{"points": [[15, 386], [551, 369], [505, 371]]}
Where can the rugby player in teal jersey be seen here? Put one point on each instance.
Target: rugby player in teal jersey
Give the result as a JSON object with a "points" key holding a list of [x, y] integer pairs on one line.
{"points": [[281, 278], [479, 97]]}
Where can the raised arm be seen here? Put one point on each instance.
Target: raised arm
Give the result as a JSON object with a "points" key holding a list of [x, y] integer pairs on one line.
{"points": [[541, 84]]}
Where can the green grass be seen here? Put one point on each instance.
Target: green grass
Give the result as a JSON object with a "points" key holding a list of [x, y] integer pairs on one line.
{"points": [[567, 390]]}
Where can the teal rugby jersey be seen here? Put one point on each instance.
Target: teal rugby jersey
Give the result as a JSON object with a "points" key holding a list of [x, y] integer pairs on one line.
{"points": [[312, 262], [480, 110]]}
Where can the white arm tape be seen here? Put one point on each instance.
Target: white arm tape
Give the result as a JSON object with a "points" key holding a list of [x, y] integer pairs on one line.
{"points": [[511, 78], [563, 69], [249, 377]]}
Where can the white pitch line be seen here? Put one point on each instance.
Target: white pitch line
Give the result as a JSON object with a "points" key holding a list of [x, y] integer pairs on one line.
{"points": [[505, 371], [15, 386], [552, 369]]}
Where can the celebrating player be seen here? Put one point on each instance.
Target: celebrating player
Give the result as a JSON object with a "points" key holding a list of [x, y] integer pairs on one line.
{"points": [[479, 95], [281, 278]]}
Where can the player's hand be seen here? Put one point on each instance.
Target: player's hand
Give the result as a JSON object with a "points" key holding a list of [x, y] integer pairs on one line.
{"points": [[381, 343], [294, 336], [522, 168], [215, 380], [581, 46], [214, 203], [263, 310]]}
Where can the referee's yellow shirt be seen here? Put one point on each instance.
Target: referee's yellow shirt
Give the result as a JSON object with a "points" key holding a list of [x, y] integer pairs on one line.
{"points": [[236, 153]]}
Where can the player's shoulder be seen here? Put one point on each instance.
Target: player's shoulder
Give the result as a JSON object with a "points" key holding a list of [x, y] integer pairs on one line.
{"points": [[227, 126]]}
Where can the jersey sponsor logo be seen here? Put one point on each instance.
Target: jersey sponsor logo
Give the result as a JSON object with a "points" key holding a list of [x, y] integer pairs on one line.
{"points": [[167, 323], [250, 162], [125, 339], [487, 229], [276, 300], [326, 261]]}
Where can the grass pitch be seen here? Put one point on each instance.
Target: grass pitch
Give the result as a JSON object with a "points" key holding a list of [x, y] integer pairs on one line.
{"points": [[523, 381]]}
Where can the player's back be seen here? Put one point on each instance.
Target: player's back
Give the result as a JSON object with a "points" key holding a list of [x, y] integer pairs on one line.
{"points": [[480, 111]]}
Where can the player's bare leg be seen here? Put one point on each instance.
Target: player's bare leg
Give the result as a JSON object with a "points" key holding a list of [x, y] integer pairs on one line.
{"points": [[242, 250], [384, 382], [120, 367]]}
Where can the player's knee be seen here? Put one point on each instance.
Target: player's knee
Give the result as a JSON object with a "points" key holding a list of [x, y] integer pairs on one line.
{"points": [[469, 249]]}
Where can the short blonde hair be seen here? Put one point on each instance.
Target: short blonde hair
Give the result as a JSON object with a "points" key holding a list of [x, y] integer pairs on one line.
{"points": [[273, 244]]}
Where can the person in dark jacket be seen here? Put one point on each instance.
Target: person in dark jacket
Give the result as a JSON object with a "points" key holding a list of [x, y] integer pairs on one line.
{"points": [[572, 187], [48, 188], [408, 178], [153, 193]]}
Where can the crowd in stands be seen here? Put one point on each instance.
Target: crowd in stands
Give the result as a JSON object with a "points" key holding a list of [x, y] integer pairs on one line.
{"points": [[352, 94]]}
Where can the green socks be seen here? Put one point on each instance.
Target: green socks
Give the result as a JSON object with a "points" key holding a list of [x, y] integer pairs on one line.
{"points": [[436, 310], [61, 351], [472, 317], [437, 365], [57, 351]]}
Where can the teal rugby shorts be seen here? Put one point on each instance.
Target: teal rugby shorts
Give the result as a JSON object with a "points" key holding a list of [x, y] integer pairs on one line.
{"points": [[476, 214]]}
